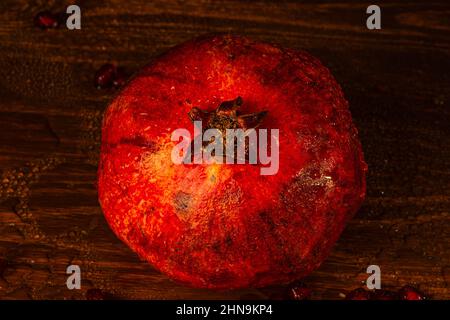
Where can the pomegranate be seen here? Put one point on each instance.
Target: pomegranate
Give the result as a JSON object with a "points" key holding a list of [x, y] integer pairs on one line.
{"points": [[227, 226]]}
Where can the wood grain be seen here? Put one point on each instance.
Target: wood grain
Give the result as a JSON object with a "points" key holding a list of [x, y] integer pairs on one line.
{"points": [[396, 79]]}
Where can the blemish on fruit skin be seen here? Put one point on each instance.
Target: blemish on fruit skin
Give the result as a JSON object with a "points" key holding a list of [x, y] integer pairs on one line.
{"points": [[267, 219], [182, 201]]}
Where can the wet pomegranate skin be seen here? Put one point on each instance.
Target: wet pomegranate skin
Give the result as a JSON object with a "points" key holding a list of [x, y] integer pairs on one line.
{"points": [[227, 226]]}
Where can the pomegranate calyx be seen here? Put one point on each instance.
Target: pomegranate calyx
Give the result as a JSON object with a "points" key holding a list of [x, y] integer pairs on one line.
{"points": [[227, 116]]}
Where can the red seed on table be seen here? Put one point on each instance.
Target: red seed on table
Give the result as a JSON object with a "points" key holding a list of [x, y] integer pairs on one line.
{"points": [[46, 20], [105, 76], [410, 293], [121, 77]]}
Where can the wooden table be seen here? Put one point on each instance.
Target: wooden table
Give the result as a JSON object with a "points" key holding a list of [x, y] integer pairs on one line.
{"points": [[396, 79]]}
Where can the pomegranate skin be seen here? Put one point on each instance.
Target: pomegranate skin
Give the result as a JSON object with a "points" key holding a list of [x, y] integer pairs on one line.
{"points": [[227, 226]]}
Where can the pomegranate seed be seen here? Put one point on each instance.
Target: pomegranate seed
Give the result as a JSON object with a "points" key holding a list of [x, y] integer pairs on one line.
{"points": [[46, 20], [105, 76], [120, 78], [379, 294], [299, 292], [410, 293], [358, 294]]}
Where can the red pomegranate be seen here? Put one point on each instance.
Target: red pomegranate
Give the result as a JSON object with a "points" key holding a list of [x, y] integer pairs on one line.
{"points": [[227, 225]]}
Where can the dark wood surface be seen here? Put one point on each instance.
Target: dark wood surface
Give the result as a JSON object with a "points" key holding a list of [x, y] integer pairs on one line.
{"points": [[396, 79]]}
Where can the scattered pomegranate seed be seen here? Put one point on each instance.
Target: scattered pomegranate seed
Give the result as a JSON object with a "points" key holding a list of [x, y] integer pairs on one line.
{"points": [[358, 294], [380, 294], [405, 293], [46, 20], [120, 78], [104, 77], [109, 75], [299, 292], [410, 293]]}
